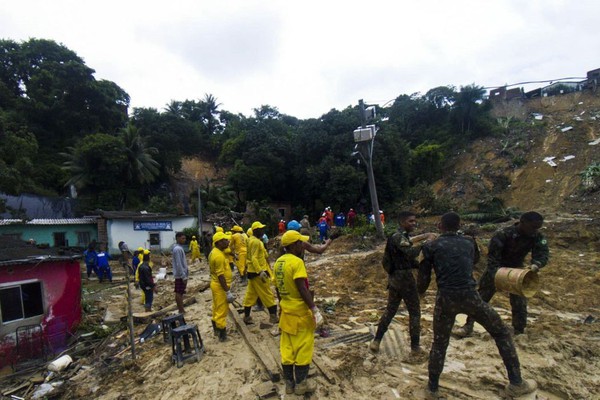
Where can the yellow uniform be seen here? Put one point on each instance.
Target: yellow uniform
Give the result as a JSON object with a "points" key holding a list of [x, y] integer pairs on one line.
{"points": [[238, 245], [195, 249], [256, 263], [296, 321], [219, 266]]}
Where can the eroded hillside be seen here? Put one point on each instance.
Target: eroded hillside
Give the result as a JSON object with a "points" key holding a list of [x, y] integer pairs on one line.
{"points": [[537, 163]]}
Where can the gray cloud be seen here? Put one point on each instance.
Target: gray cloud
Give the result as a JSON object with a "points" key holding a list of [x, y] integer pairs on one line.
{"points": [[230, 48]]}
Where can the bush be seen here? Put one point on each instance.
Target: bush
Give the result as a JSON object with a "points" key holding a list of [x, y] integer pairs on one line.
{"points": [[488, 227], [191, 231]]}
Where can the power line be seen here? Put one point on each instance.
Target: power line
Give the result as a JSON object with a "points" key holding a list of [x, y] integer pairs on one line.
{"points": [[528, 82], [495, 87]]}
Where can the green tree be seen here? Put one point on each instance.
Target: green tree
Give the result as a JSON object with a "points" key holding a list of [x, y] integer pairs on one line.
{"points": [[141, 168], [427, 162], [96, 167], [18, 151]]}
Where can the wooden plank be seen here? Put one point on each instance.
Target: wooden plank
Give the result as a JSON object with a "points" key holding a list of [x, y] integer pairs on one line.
{"points": [[16, 389], [324, 368], [258, 348], [146, 317]]}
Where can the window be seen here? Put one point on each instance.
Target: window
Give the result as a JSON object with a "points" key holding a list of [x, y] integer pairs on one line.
{"points": [[60, 239], [83, 239], [20, 302], [154, 238]]}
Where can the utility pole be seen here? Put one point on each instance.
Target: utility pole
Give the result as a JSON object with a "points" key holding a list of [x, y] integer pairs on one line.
{"points": [[367, 145], [199, 214]]}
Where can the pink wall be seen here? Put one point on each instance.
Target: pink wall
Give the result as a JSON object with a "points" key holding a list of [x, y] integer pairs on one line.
{"points": [[61, 282]]}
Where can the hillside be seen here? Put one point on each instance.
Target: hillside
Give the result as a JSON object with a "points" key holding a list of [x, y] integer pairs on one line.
{"points": [[513, 167]]}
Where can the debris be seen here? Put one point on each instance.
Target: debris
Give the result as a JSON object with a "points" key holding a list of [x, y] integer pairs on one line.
{"points": [[162, 274], [60, 363], [548, 160], [265, 390], [567, 158], [566, 129], [595, 142], [589, 319], [538, 116], [44, 389], [150, 331], [548, 180]]}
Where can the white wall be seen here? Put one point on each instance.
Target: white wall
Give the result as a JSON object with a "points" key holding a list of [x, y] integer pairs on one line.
{"points": [[122, 230]]}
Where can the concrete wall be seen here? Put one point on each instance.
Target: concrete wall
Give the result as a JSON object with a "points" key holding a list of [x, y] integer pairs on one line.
{"points": [[122, 230]]}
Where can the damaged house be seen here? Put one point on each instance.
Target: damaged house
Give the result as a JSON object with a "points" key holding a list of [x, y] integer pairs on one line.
{"points": [[40, 301]]}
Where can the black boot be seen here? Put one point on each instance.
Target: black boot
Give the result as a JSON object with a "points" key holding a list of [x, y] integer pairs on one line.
{"points": [[273, 315], [215, 330], [222, 334], [288, 377], [302, 386]]}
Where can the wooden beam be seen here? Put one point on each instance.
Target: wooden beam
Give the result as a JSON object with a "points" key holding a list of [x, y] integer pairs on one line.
{"points": [[258, 348], [322, 366]]}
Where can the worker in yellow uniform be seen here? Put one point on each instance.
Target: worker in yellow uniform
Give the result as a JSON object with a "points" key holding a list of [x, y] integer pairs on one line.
{"points": [[220, 284], [238, 245], [137, 273], [229, 253], [259, 282], [195, 249], [299, 315]]}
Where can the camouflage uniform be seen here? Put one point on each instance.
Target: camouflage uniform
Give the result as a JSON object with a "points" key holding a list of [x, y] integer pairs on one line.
{"points": [[508, 248], [452, 256], [399, 258]]}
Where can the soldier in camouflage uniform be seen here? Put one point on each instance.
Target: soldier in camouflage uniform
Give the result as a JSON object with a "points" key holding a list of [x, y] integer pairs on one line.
{"points": [[452, 256], [399, 259], [508, 248]]}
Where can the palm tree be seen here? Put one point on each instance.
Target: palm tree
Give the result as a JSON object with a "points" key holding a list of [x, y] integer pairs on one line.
{"points": [[218, 198], [141, 167], [211, 108], [174, 108], [76, 167]]}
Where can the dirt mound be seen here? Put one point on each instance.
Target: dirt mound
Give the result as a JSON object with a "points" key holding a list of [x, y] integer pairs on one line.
{"points": [[537, 163]]}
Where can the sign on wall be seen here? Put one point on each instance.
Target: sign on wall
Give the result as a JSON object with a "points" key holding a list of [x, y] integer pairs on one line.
{"points": [[152, 226]]}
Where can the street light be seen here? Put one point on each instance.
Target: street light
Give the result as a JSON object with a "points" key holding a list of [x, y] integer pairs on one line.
{"points": [[364, 136]]}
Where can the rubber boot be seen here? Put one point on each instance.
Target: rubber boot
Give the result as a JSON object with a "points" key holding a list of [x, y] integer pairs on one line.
{"points": [[302, 385], [215, 330], [273, 315], [288, 377], [465, 330], [525, 387], [374, 345], [222, 334], [247, 317]]}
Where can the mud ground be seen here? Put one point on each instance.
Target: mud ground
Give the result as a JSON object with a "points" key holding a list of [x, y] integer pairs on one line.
{"points": [[560, 349]]}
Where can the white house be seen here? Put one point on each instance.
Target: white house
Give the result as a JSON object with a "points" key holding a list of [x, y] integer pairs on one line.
{"points": [[153, 231]]}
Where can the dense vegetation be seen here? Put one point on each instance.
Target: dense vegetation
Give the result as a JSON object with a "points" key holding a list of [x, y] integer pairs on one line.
{"points": [[60, 127]]}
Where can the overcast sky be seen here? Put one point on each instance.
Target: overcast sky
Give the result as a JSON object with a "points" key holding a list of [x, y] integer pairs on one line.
{"points": [[307, 57]]}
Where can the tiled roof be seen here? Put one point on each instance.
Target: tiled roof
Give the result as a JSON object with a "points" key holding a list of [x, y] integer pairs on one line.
{"points": [[44, 221]]}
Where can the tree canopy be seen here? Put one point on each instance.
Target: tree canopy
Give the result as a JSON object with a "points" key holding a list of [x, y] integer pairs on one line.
{"points": [[59, 126]]}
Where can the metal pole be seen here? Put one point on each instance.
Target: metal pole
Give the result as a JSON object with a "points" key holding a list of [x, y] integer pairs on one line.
{"points": [[370, 175], [199, 214], [129, 312]]}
